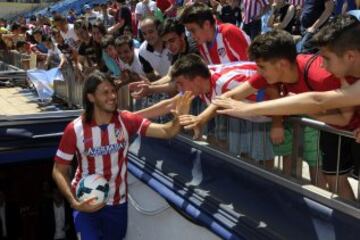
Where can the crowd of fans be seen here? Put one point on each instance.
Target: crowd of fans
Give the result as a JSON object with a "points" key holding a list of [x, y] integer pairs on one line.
{"points": [[148, 44]]}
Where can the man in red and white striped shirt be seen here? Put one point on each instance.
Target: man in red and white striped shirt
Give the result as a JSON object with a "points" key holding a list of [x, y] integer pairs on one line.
{"points": [[252, 12], [218, 43], [100, 140], [296, 3]]}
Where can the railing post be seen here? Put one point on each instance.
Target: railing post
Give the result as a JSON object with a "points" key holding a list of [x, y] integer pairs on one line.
{"points": [[297, 150]]}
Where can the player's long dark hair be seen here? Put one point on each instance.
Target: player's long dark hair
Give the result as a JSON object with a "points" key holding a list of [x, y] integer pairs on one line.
{"points": [[90, 86]]}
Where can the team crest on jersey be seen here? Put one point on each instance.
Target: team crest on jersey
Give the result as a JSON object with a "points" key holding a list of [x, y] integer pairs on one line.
{"points": [[119, 134], [221, 52]]}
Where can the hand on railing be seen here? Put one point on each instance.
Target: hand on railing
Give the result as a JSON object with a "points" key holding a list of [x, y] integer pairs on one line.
{"points": [[277, 135]]}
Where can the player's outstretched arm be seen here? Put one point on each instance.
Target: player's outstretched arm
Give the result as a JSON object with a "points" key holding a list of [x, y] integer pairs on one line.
{"points": [[159, 109], [170, 129]]}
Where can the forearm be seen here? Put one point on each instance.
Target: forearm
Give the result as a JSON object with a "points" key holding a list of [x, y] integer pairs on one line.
{"points": [[163, 88], [163, 80], [329, 6], [206, 115], [115, 27], [240, 92], [159, 109], [270, 22], [336, 117], [61, 178], [164, 131]]}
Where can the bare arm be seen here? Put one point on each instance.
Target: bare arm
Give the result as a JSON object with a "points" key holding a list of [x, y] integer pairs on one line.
{"points": [[158, 109], [329, 7], [61, 176], [304, 103], [338, 117], [289, 15]]}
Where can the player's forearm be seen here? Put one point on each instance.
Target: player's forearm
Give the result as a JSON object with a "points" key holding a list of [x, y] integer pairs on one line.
{"points": [[60, 175], [159, 109]]}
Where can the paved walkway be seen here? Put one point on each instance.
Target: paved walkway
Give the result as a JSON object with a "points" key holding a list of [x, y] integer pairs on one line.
{"points": [[14, 102]]}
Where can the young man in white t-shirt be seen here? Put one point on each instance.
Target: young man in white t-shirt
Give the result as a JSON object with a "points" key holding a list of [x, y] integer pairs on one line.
{"points": [[67, 31]]}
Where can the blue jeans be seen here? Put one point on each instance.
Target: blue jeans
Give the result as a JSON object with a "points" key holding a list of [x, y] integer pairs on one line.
{"points": [[109, 223], [305, 45]]}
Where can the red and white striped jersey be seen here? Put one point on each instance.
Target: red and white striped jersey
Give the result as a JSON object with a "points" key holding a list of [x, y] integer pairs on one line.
{"points": [[252, 9], [296, 2], [225, 77], [101, 150], [230, 44]]}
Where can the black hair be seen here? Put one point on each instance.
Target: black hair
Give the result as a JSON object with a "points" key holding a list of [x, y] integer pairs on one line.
{"points": [[59, 18], [107, 40], [99, 25], [197, 13], [190, 66], [90, 86], [273, 45], [153, 19], [124, 39], [46, 38], [15, 26], [340, 35], [20, 44], [171, 25], [80, 24], [33, 18]]}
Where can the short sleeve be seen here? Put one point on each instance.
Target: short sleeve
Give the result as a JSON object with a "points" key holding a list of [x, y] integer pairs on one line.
{"points": [[258, 82], [134, 123], [67, 146]]}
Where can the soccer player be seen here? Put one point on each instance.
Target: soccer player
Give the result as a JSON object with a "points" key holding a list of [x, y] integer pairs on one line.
{"points": [[100, 140]]}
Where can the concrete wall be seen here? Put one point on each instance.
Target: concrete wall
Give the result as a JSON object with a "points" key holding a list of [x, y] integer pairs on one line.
{"points": [[8, 9]]}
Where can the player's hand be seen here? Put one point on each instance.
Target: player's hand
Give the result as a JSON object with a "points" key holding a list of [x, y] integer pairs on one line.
{"points": [[183, 104], [277, 135], [87, 205]]}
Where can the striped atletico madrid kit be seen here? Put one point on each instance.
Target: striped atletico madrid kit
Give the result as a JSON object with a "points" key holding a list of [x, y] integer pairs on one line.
{"points": [[252, 9], [101, 150], [230, 44], [296, 2], [225, 77]]}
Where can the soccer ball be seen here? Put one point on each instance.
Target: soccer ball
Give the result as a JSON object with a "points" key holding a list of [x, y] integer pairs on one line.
{"points": [[94, 185]]}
